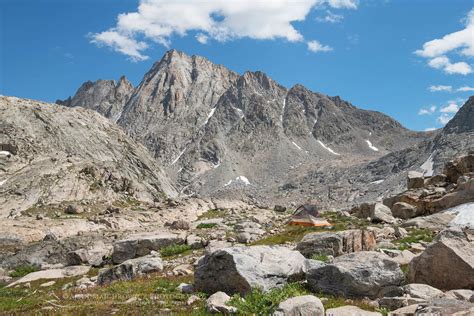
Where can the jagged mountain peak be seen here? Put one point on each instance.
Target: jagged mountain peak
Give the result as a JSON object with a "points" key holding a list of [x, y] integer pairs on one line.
{"points": [[463, 121], [104, 96], [258, 78]]}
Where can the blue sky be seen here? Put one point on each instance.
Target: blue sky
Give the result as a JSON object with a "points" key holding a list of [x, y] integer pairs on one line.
{"points": [[363, 51]]}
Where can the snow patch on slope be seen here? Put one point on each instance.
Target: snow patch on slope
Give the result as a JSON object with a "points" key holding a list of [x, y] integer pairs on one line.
{"points": [[377, 181], [241, 113], [464, 215], [327, 148], [283, 110], [239, 179], [179, 156], [296, 145], [209, 116], [427, 166], [371, 146], [118, 116], [2, 182]]}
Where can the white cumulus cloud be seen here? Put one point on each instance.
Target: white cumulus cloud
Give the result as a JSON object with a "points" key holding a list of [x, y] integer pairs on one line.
{"points": [[120, 43], [330, 17], [316, 46], [157, 21], [465, 89], [440, 88], [450, 108], [460, 42], [444, 118], [427, 111], [202, 38]]}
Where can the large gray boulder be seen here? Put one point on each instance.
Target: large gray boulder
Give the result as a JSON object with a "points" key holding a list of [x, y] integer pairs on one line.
{"points": [[142, 244], [448, 262], [240, 269], [359, 274], [95, 255], [381, 214], [404, 210], [336, 243], [130, 269], [305, 305]]}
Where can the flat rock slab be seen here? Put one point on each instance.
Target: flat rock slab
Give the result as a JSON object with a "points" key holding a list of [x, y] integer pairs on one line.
{"points": [[241, 269], [66, 272], [350, 311], [142, 244], [305, 305], [437, 307]]}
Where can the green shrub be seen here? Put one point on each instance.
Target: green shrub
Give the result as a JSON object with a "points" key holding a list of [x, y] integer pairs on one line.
{"points": [[23, 270], [212, 213], [415, 236], [319, 257], [258, 302], [174, 249], [206, 225]]}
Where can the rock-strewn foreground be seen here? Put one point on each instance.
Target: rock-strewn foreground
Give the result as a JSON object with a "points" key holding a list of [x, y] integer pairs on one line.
{"points": [[194, 221], [202, 257]]}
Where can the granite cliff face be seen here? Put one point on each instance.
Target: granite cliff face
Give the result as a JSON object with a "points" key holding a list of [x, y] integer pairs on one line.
{"points": [[245, 136], [51, 155]]}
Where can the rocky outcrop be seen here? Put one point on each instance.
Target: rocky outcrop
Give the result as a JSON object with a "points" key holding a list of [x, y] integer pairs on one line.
{"points": [[142, 244], [415, 180], [430, 194], [447, 263], [94, 255], [336, 244], [360, 274], [241, 269], [130, 269], [300, 305], [65, 155]]}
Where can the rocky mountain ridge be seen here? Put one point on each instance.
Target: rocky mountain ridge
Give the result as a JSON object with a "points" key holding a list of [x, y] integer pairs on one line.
{"points": [[221, 134]]}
